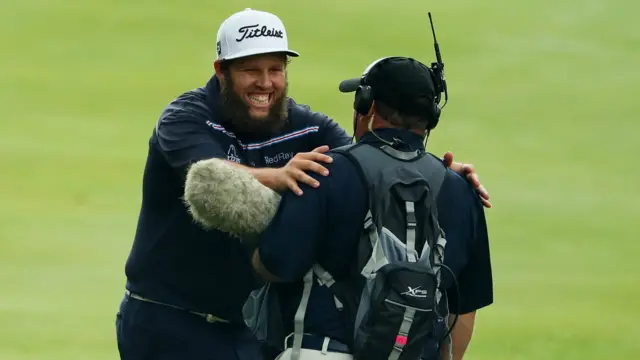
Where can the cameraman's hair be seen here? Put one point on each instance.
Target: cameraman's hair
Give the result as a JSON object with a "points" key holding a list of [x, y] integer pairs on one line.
{"points": [[404, 121]]}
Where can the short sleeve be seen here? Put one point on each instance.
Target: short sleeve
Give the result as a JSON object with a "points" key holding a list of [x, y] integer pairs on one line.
{"points": [[461, 216], [184, 138], [476, 279]]}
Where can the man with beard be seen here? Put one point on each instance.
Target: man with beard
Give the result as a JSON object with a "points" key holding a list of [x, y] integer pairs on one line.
{"points": [[185, 285]]}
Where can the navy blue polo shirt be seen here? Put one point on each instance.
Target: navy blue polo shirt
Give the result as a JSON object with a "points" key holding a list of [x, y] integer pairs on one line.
{"points": [[324, 226], [173, 260]]}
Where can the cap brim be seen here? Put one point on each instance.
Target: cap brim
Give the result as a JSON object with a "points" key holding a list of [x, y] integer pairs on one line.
{"points": [[260, 51], [349, 85]]}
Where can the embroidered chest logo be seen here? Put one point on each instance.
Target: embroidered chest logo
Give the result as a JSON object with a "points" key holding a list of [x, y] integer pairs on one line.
{"points": [[232, 155], [279, 157]]}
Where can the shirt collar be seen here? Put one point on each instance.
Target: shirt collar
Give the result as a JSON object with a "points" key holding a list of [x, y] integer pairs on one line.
{"points": [[409, 141], [212, 89]]}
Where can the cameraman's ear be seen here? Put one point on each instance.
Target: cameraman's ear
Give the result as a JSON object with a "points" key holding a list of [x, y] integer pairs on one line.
{"points": [[372, 109]]}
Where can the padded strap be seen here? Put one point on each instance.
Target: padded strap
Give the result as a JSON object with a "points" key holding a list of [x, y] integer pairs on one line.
{"points": [[325, 279], [411, 231], [378, 258], [403, 333], [298, 320]]}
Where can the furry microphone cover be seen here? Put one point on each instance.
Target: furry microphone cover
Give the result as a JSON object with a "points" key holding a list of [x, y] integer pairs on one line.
{"points": [[225, 197]]}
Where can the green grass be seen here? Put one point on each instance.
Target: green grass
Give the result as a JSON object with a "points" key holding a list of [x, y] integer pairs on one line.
{"points": [[543, 95]]}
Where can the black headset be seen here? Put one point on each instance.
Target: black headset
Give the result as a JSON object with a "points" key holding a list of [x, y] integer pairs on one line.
{"points": [[364, 93]]}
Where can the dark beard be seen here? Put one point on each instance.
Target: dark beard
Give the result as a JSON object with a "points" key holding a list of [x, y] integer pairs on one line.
{"points": [[237, 111]]}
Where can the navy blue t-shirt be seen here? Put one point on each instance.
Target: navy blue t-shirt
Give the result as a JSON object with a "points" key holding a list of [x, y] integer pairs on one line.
{"points": [[324, 226], [175, 261]]}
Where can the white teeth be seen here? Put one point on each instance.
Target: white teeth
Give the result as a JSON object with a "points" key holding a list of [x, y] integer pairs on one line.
{"points": [[259, 99]]}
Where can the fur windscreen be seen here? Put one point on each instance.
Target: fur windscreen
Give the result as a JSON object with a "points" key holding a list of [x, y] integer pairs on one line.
{"points": [[225, 197]]}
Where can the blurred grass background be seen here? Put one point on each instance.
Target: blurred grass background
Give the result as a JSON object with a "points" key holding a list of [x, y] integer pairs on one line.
{"points": [[543, 101]]}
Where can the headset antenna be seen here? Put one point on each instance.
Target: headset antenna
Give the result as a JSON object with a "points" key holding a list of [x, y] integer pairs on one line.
{"points": [[435, 42], [439, 65]]}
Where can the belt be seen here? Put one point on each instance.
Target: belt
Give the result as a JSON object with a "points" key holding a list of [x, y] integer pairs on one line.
{"points": [[208, 317], [315, 342]]}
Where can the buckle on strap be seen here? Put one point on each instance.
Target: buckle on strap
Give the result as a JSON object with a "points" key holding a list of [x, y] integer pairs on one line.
{"points": [[317, 342], [210, 318]]}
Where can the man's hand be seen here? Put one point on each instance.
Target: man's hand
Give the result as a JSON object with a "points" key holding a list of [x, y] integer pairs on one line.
{"points": [[294, 172], [470, 174]]}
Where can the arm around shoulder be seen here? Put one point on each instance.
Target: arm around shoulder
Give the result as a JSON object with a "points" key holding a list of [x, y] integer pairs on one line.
{"points": [[184, 139]]}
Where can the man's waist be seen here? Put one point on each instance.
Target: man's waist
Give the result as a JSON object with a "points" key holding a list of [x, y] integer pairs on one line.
{"points": [[224, 307], [211, 318]]}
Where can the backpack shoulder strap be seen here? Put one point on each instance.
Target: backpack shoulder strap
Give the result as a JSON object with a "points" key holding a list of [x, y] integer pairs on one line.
{"points": [[298, 319], [437, 176], [346, 151]]}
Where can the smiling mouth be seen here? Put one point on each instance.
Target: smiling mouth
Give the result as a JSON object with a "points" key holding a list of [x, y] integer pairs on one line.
{"points": [[259, 100]]}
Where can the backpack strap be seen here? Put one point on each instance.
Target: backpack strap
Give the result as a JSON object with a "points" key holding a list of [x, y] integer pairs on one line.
{"points": [[298, 320], [438, 176], [346, 152], [435, 183], [325, 279], [378, 258], [436, 179], [411, 231], [403, 333]]}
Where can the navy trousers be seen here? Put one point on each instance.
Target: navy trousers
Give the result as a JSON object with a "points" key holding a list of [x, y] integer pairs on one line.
{"points": [[147, 331]]}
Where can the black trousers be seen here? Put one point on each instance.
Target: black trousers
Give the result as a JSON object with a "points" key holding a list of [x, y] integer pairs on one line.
{"points": [[147, 331]]}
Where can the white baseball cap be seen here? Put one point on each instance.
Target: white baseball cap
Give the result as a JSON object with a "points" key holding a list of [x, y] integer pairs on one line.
{"points": [[251, 32]]}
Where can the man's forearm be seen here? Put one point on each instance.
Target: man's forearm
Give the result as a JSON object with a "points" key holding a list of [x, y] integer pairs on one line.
{"points": [[460, 337], [261, 270], [263, 175]]}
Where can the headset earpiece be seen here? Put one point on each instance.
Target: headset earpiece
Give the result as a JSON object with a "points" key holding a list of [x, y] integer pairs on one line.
{"points": [[363, 99], [438, 83], [435, 116]]}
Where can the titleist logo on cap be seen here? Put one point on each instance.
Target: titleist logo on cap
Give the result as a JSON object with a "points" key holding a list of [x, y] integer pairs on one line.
{"points": [[255, 31]]}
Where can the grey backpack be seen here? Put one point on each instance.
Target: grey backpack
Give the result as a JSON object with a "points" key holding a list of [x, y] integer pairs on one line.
{"points": [[393, 302]]}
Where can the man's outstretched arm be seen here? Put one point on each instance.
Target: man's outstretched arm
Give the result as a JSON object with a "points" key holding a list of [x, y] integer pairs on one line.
{"points": [[294, 172], [285, 242]]}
